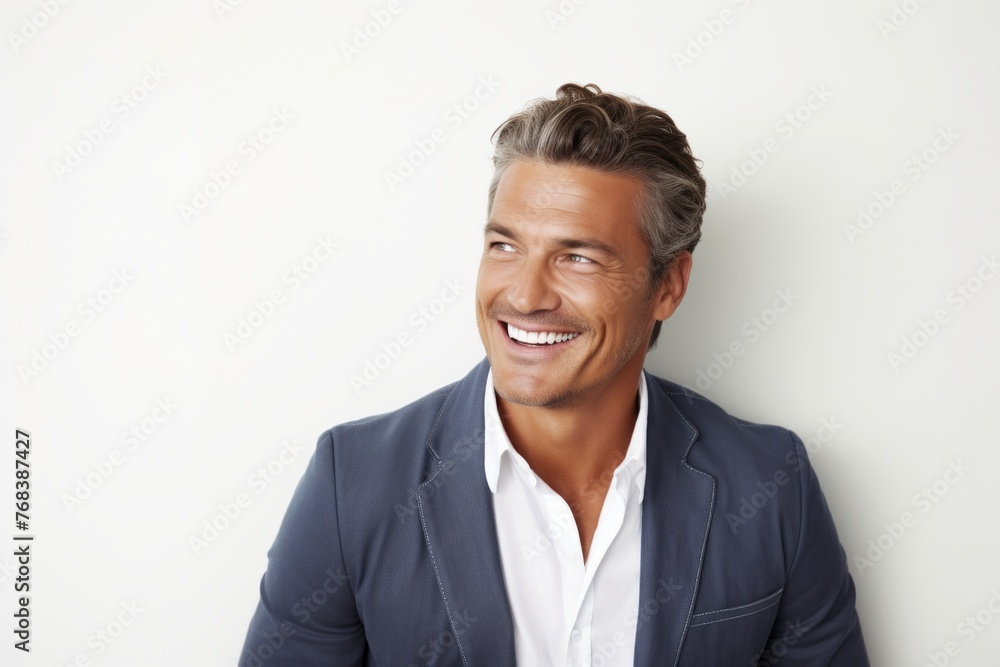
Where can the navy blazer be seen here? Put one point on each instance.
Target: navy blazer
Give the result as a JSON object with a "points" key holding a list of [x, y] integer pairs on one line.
{"points": [[388, 552]]}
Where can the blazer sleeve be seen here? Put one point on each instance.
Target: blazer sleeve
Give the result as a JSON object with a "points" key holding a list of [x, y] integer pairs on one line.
{"points": [[817, 623], [307, 614]]}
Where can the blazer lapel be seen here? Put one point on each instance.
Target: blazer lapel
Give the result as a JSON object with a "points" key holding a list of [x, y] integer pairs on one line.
{"points": [[676, 512], [456, 513]]}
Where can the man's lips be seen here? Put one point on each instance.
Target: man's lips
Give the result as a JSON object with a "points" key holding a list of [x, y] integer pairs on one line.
{"points": [[537, 338]]}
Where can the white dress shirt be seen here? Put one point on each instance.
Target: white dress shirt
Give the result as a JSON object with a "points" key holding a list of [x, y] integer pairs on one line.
{"points": [[566, 612]]}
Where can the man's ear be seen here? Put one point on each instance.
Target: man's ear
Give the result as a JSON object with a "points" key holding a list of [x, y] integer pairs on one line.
{"points": [[673, 286]]}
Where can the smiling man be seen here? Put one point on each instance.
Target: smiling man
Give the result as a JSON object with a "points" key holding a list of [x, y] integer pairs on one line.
{"points": [[559, 505]]}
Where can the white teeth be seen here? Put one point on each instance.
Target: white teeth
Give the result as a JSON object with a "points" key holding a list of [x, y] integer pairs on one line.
{"points": [[538, 337]]}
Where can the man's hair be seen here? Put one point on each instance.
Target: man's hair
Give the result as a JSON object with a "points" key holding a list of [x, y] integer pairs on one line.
{"points": [[615, 134]]}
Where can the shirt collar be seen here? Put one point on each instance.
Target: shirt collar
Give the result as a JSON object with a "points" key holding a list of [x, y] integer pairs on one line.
{"points": [[496, 443]]}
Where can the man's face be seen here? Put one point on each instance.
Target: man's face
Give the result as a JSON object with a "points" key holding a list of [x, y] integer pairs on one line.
{"points": [[563, 255]]}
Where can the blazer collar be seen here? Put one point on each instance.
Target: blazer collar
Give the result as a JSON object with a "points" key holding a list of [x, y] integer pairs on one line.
{"points": [[676, 515], [456, 513]]}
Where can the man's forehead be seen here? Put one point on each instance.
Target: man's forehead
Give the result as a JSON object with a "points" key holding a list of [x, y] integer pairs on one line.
{"points": [[559, 177], [530, 184], [562, 176]]}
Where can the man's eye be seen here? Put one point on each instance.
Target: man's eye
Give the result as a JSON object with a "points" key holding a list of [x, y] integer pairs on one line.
{"points": [[581, 259], [496, 245]]}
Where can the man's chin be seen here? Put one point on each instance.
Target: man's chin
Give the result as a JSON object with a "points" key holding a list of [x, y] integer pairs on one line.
{"points": [[531, 394]]}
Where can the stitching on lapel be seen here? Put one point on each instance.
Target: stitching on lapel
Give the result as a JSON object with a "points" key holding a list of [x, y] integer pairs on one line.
{"points": [[711, 511], [423, 524]]}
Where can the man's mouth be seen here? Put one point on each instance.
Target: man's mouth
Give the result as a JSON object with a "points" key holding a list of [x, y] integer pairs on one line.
{"points": [[539, 338]]}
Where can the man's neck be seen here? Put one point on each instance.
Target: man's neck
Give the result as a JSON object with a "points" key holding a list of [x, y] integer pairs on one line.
{"points": [[571, 446], [576, 448]]}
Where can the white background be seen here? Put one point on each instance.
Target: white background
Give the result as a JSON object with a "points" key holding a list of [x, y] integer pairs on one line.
{"points": [[890, 90]]}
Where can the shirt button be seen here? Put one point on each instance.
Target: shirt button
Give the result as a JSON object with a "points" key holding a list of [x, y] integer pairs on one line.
{"points": [[576, 635]]}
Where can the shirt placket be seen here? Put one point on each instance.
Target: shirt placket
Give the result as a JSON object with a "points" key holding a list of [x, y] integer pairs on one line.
{"points": [[609, 524], [581, 637]]}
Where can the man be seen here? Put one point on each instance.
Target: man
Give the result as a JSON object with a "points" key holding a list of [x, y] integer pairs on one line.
{"points": [[559, 505]]}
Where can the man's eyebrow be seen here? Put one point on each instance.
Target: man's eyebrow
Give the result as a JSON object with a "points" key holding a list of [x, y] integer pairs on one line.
{"points": [[559, 242], [497, 228]]}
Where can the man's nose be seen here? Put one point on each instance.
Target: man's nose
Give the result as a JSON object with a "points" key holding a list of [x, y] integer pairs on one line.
{"points": [[533, 288]]}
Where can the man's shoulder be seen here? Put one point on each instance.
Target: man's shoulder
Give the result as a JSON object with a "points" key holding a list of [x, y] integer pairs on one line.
{"points": [[403, 423], [414, 411], [406, 435], [725, 441], [376, 458]]}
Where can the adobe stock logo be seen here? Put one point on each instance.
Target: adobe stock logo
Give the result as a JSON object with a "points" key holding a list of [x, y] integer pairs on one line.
{"points": [[901, 13], [924, 500], [31, 26], [561, 12], [447, 641], [454, 116], [363, 35], [220, 179], [713, 29], [914, 169], [927, 329], [122, 107], [748, 507], [786, 126], [420, 320], [104, 468], [968, 629], [88, 310], [231, 509], [266, 306], [105, 636], [752, 330], [223, 7]]}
